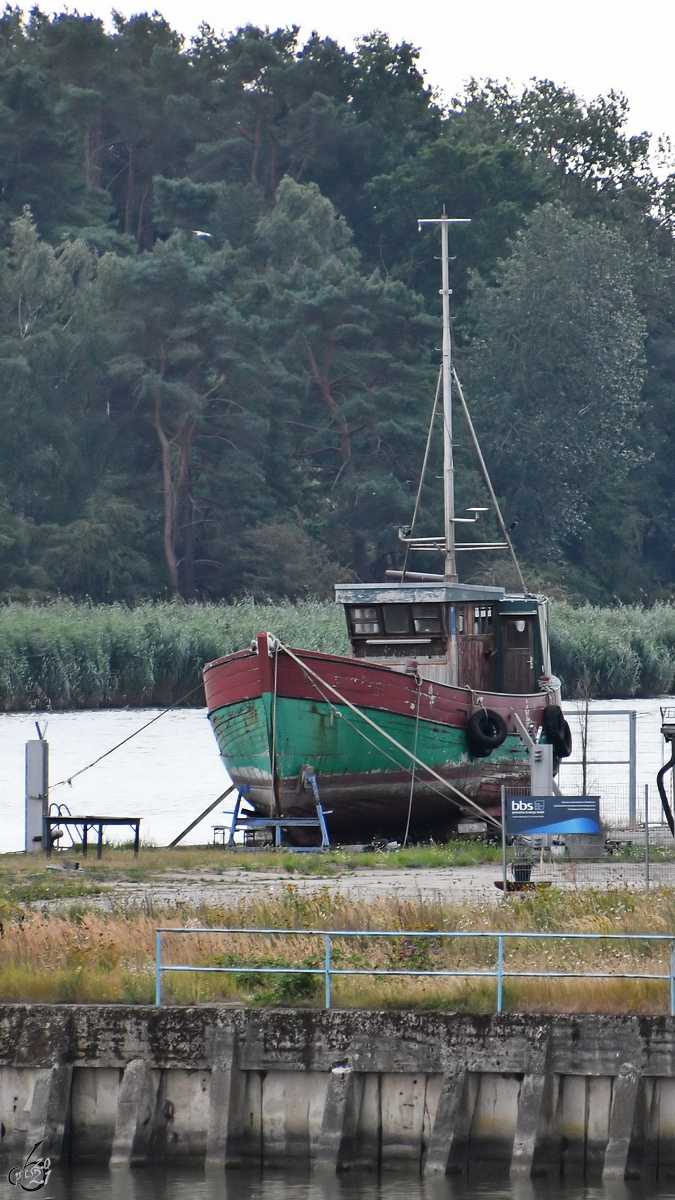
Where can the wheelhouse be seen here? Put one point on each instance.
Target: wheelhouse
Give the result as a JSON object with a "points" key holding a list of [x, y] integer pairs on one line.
{"points": [[477, 637]]}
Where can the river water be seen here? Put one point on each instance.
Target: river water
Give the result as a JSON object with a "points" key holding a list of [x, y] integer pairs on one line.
{"points": [[171, 770], [166, 774], [158, 1184]]}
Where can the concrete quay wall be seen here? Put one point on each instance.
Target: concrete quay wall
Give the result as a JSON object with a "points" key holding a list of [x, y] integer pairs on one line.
{"points": [[581, 1096]]}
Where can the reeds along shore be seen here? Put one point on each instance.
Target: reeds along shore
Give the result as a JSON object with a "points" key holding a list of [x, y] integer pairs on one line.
{"points": [[65, 655], [83, 954]]}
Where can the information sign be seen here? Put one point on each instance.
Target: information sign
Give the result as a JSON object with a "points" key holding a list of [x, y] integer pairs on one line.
{"points": [[552, 814]]}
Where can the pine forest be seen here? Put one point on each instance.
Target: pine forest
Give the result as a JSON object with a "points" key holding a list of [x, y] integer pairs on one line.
{"points": [[219, 324]]}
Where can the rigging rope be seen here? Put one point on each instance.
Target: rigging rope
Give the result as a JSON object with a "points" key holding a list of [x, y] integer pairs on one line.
{"points": [[275, 781], [383, 733], [423, 473], [418, 680], [488, 481], [69, 780]]}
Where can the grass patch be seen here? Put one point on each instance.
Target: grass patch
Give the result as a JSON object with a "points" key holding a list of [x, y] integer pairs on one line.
{"points": [[28, 879], [81, 955]]}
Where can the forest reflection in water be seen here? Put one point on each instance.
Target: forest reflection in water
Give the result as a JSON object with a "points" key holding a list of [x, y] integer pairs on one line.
{"points": [[87, 1183]]}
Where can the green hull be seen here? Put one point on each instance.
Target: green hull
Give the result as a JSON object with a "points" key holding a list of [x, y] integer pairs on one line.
{"points": [[362, 777]]}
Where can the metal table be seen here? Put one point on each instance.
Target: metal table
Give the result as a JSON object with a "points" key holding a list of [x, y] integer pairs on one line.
{"points": [[87, 823]]}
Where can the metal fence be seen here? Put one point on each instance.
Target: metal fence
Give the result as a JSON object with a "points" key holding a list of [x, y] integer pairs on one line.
{"points": [[618, 751], [639, 857], [328, 971]]}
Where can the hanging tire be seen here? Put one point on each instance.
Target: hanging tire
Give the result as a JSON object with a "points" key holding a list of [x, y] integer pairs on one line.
{"points": [[485, 732], [557, 731]]}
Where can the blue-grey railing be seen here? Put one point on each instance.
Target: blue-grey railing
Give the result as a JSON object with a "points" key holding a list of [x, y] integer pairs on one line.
{"points": [[328, 970]]}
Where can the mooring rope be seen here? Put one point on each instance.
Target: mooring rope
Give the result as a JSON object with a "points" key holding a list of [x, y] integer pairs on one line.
{"points": [[383, 733], [418, 680], [69, 780]]}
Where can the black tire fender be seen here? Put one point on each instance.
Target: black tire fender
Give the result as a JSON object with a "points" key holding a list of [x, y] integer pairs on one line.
{"points": [[557, 730], [485, 732]]}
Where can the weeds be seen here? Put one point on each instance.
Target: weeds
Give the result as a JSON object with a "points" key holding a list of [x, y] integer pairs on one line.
{"points": [[120, 864], [85, 956], [74, 655], [625, 651]]}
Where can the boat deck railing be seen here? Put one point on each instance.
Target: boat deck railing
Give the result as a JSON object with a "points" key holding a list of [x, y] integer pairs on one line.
{"points": [[330, 969]]}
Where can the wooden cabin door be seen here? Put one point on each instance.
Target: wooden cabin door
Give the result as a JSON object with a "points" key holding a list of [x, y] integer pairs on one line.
{"points": [[518, 654], [476, 642]]}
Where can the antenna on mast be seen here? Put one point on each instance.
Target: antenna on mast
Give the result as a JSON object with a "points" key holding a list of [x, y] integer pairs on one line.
{"points": [[450, 572]]}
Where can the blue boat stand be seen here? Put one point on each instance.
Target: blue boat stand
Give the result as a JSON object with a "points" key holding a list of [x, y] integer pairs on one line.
{"points": [[278, 824]]}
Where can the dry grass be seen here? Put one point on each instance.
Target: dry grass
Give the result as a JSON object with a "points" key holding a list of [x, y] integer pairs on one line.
{"points": [[81, 955]]}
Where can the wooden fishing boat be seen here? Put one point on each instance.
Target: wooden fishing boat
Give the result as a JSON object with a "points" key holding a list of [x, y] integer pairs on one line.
{"points": [[447, 686]]}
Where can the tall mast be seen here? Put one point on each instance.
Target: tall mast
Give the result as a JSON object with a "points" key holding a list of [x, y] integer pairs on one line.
{"points": [[450, 571]]}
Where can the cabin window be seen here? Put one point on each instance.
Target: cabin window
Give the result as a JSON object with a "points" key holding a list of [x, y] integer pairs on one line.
{"points": [[461, 626], [517, 633], [427, 618], [398, 631], [396, 618], [365, 620], [482, 619]]}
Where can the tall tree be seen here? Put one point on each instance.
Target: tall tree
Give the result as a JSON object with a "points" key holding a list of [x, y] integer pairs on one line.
{"points": [[182, 349], [353, 347], [495, 186], [71, 526], [556, 366]]}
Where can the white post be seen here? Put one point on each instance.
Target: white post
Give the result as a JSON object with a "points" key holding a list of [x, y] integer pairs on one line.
{"points": [[541, 769], [37, 793], [632, 770], [541, 780], [646, 837]]}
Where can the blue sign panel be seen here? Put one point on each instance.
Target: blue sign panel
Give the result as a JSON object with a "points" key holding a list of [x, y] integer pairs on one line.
{"points": [[552, 814]]}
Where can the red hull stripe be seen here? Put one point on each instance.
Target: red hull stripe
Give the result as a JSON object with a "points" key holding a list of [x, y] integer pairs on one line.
{"points": [[237, 677]]}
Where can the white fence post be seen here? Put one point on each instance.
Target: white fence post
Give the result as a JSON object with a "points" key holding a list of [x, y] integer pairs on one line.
{"points": [[632, 771]]}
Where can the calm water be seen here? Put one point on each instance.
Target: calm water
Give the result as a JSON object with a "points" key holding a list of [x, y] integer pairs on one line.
{"points": [[85, 1184], [166, 775], [172, 770]]}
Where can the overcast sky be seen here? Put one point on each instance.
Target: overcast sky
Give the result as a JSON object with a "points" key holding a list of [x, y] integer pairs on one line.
{"points": [[590, 45]]}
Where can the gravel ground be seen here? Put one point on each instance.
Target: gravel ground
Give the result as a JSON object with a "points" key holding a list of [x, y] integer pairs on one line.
{"points": [[447, 883]]}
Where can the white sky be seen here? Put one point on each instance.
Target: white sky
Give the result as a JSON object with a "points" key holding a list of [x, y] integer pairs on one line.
{"points": [[590, 45]]}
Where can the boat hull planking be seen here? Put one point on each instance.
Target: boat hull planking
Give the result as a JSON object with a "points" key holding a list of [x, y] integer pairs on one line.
{"points": [[275, 724]]}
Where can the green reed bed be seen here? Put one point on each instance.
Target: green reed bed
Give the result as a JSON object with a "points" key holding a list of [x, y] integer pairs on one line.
{"points": [[69, 655], [624, 651], [79, 954]]}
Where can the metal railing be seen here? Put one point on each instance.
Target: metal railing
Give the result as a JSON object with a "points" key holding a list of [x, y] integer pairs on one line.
{"points": [[329, 970]]}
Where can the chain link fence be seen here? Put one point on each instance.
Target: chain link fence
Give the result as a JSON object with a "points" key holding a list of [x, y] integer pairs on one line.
{"points": [[618, 750]]}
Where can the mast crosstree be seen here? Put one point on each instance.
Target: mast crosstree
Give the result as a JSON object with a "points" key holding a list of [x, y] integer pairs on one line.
{"points": [[447, 544], [450, 572]]}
